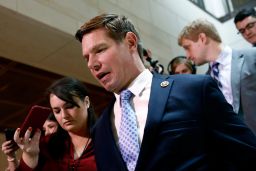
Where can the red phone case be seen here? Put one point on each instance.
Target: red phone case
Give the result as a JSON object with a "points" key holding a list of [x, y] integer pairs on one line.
{"points": [[35, 119]]}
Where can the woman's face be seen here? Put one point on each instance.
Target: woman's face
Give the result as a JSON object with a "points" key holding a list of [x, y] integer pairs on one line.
{"points": [[50, 127], [182, 69], [70, 117]]}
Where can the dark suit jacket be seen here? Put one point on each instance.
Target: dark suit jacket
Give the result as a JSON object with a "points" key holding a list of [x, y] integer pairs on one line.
{"points": [[190, 126]]}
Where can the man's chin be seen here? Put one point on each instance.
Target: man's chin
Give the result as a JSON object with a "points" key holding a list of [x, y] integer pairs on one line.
{"points": [[107, 87]]}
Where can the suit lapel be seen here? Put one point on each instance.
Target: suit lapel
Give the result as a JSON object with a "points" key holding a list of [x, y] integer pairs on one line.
{"points": [[158, 98], [106, 150], [236, 65]]}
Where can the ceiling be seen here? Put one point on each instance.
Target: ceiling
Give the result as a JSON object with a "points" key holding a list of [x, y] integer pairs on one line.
{"points": [[25, 40], [32, 56]]}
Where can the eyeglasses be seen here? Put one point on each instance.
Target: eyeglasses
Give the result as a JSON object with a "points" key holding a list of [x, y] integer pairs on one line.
{"points": [[247, 27]]}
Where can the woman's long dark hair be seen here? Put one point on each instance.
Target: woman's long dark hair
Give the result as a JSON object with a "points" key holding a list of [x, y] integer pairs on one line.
{"points": [[66, 89]]}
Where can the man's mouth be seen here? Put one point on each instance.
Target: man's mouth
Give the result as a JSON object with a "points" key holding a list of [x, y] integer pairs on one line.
{"points": [[101, 75]]}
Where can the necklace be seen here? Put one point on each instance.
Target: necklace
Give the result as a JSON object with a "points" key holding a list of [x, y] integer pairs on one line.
{"points": [[74, 163]]}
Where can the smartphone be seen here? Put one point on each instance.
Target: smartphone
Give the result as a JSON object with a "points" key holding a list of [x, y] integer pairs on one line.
{"points": [[36, 117], [9, 133]]}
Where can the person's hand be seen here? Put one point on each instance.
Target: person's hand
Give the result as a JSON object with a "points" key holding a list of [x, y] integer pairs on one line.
{"points": [[29, 146], [9, 148]]}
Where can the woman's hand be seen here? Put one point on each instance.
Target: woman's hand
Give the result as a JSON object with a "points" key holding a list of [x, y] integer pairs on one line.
{"points": [[29, 146], [9, 148]]}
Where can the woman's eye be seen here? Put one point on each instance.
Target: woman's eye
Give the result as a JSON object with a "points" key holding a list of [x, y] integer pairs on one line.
{"points": [[56, 111], [69, 106]]}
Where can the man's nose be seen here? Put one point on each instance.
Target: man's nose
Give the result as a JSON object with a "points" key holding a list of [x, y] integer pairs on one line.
{"points": [[93, 65], [188, 55]]}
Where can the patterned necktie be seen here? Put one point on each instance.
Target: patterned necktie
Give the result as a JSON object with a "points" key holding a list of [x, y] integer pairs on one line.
{"points": [[128, 134], [215, 71]]}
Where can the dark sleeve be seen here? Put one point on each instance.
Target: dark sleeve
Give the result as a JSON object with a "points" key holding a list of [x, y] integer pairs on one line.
{"points": [[23, 166], [228, 136]]}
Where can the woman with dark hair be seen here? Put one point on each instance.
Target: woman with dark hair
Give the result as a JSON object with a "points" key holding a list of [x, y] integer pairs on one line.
{"points": [[70, 148], [50, 125], [181, 65]]}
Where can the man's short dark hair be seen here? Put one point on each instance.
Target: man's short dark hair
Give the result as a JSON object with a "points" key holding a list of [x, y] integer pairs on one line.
{"points": [[242, 14], [116, 26]]}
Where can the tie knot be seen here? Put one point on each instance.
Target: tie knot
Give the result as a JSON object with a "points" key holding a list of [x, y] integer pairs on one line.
{"points": [[215, 68], [126, 95], [215, 65]]}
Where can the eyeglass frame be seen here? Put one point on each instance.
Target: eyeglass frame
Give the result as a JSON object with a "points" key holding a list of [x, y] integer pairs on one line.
{"points": [[247, 27]]}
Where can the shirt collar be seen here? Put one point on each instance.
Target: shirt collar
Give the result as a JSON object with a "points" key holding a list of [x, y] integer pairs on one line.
{"points": [[223, 56], [139, 83]]}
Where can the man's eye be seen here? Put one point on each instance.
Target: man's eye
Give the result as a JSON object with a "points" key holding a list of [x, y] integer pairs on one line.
{"points": [[100, 50], [242, 31], [86, 57], [250, 25]]}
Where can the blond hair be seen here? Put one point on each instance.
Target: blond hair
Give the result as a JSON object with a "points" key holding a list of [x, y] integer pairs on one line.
{"points": [[198, 26]]}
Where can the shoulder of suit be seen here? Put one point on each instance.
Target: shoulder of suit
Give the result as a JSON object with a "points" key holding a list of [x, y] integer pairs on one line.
{"points": [[247, 54], [184, 77], [245, 50]]}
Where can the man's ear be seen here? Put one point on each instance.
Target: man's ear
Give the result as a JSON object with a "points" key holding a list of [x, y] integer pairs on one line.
{"points": [[131, 40], [203, 38]]}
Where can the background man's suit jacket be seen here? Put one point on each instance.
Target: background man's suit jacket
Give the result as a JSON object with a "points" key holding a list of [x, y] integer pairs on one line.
{"points": [[189, 126], [243, 83]]}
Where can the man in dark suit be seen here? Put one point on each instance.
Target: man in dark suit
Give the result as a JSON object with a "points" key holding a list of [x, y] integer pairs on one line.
{"points": [[183, 121], [236, 68]]}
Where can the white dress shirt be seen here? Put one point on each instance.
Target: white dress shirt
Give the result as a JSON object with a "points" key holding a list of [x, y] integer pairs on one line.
{"points": [[224, 60], [140, 87]]}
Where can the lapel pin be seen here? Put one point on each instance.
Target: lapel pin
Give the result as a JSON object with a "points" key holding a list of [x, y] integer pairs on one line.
{"points": [[164, 84]]}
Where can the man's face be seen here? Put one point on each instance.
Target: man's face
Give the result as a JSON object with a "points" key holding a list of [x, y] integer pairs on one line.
{"points": [[110, 62], [247, 27], [195, 51]]}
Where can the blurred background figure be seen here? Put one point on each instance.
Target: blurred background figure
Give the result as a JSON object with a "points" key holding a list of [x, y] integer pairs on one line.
{"points": [[9, 147], [181, 65], [51, 125], [154, 66], [245, 21], [233, 70]]}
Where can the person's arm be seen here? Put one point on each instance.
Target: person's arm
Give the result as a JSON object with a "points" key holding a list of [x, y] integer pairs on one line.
{"points": [[29, 147], [13, 162], [9, 148]]}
